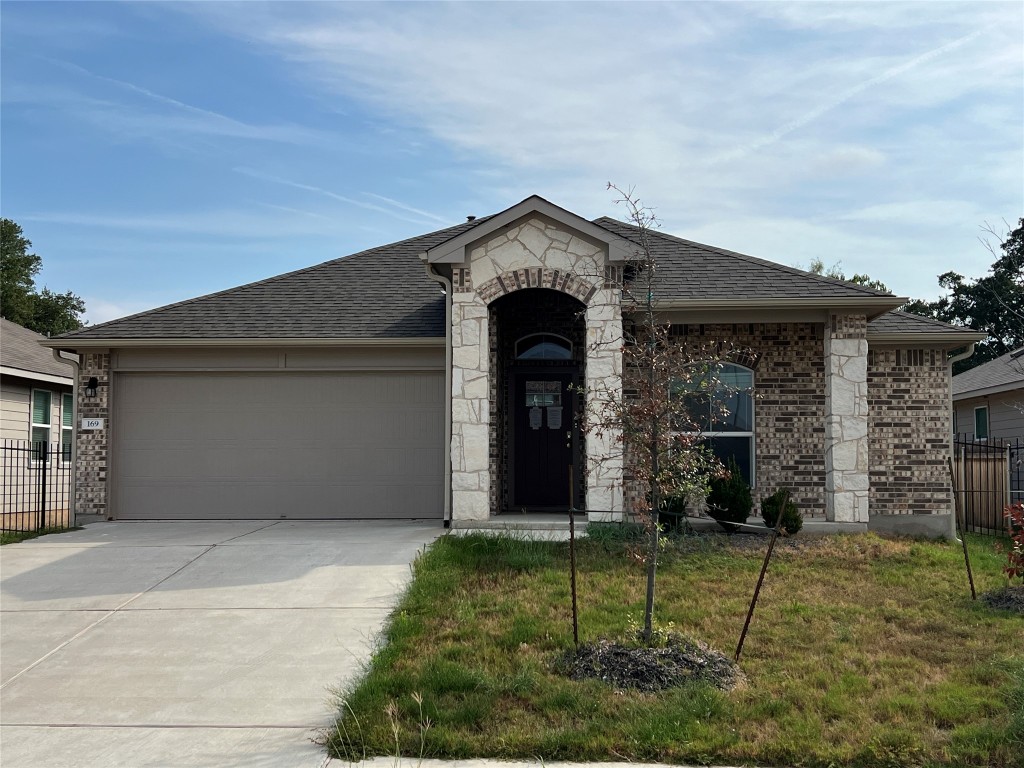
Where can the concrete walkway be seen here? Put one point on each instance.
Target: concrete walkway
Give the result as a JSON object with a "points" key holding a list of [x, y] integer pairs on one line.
{"points": [[189, 644]]}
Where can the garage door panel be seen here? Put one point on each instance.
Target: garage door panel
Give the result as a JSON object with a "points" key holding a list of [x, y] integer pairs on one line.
{"points": [[291, 445]]}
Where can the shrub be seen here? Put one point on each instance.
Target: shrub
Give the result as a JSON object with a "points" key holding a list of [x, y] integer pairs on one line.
{"points": [[1015, 557], [791, 518], [730, 500]]}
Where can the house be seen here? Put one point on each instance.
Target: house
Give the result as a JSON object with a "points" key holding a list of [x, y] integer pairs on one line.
{"points": [[36, 399], [988, 401], [434, 377]]}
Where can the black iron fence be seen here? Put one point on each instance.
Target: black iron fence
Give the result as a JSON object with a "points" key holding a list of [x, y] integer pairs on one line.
{"points": [[35, 486], [989, 476]]}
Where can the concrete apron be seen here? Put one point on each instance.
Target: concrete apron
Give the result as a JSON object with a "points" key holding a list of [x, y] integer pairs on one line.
{"points": [[190, 644]]}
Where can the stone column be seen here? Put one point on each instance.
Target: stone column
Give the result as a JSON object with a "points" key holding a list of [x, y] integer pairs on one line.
{"points": [[604, 375], [470, 448], [846, 419], [92, 446]]}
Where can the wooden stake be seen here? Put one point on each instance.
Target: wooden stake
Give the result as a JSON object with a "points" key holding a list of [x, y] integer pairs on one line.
{"points": [[760, 579], [960, 526], [572, 564]]}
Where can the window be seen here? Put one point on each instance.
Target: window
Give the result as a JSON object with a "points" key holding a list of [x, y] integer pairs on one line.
{"points": [[67, 425], [981, 422], [41, 415], [725, 415], [543, 346]]}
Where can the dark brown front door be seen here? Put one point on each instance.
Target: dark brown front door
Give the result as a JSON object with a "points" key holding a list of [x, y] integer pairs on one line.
{"points": [[542, 416]]}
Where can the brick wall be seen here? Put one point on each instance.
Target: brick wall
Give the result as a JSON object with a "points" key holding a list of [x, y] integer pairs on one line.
{"points": [[789, 405], [909, 429], [91, 446]]}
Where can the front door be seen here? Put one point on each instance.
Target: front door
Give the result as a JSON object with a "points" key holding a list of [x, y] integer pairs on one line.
{"points": [[542, 415]]}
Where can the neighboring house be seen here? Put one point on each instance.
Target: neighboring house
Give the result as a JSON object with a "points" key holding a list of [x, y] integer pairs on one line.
{"points": [[434, 377], [36, 400], [988, 401]]}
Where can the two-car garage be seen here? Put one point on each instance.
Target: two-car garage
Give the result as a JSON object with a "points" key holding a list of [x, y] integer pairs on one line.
{"points": [[286, 434]]}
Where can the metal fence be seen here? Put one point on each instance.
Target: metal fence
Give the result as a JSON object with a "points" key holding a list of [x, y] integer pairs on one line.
{"points": [[36, 486], [989, 476]]}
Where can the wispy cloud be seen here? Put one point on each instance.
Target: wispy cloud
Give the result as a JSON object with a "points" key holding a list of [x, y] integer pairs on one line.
{"points": [[342, 198]]}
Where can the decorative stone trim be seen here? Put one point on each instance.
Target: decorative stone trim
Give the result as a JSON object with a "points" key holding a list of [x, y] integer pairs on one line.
{"points": [[462, 282], [537, 277], [92, 446], [846, 422]]}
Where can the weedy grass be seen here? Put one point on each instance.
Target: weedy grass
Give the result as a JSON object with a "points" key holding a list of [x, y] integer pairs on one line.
{"points": [[13, 537], [864, 651]]}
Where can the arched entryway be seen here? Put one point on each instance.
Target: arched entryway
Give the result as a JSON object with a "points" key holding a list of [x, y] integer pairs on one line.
{"points": [[537, 339]]}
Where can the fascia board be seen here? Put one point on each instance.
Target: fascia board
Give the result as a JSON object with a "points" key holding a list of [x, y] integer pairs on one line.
{"points": [[109, 343], [454, 251], [22, 373], [985, 391]]}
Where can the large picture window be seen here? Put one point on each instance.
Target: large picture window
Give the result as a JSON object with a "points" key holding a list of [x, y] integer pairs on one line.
{"points": [[724, 415]]}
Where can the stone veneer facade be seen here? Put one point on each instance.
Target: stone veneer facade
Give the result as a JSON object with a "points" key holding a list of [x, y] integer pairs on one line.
{"points": [[846, 422], [535, 253], [91, 446], [910, 427]]}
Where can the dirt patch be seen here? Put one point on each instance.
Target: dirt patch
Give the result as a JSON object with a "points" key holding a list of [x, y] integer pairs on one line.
{"points": [[622, 666], [1005, 599]]}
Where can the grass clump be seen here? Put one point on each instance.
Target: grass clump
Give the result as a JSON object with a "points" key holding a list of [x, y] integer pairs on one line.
{"points": [[13, 537], [864, 652]]}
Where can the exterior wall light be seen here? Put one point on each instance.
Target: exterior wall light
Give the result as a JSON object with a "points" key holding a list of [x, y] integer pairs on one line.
{"points": [[91, 386]]}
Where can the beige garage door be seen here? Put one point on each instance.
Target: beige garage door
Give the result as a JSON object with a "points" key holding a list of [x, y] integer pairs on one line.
{"points": [[271, 446]]}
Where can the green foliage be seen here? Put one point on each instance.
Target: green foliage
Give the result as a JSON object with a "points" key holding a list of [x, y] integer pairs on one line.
{"points": [[836, 273], [730, 500], [792, 521], [1015, 557], [44, 312], [992, 304]]}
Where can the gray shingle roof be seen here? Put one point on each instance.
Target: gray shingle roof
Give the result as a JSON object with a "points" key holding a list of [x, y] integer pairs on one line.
{"points": [[904, 322], [383, 292], [1003, 372], [19, 348], [689, 270]]}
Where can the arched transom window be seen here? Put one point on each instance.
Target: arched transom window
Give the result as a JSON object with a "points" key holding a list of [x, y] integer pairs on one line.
{"points": [[543, 346]]}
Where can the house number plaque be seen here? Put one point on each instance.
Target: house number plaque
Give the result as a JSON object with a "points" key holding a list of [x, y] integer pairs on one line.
{"points": [[92, 424]]}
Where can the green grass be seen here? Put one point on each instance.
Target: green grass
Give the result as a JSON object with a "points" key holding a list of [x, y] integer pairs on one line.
{"points": [[13, 537], [863, 652]]}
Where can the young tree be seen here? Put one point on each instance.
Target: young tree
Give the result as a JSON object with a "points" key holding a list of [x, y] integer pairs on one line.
{"points": [[993, 304], [43, 312], [655, 420]]}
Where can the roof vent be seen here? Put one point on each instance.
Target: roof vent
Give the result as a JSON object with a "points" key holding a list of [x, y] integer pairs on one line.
{"points": [[471, 218]]}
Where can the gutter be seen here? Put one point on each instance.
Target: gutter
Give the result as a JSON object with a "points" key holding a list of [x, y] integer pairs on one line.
{"points": [[70, 358], [65, 342], [952, 437], [446, 285]]}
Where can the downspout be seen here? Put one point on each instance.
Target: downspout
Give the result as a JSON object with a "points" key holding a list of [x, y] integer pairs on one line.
{"points": [[74, 361], [446, 286], [952, 437]]}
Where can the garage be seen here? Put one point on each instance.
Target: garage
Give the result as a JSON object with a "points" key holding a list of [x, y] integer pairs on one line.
{"points": [[272, 445]]}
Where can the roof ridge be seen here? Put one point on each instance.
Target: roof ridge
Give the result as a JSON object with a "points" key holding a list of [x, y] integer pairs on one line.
{"points": [[274, 278], [755, 260]]}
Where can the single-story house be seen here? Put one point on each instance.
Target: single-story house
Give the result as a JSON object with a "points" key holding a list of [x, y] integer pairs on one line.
{"points": [[988, 401], [434, 377], [36, 400]]}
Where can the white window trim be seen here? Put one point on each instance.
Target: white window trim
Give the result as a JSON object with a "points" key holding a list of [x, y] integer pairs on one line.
{"points": [[71, 428], [988, 426], [33, 425]]}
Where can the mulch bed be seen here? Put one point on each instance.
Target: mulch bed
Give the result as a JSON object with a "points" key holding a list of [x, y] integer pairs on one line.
{"points": [[1005, 599], [650, 669]]}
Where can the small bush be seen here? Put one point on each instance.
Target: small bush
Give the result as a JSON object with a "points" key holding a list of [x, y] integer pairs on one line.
{"points": [[792, 521], [730, 500], [1015, 557]]}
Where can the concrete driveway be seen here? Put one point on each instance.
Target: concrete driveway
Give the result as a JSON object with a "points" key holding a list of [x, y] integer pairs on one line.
{"points": [[190, 644]]}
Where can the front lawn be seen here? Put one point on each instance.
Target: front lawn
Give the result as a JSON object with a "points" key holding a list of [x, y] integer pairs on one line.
{"points": [[864, 651]]}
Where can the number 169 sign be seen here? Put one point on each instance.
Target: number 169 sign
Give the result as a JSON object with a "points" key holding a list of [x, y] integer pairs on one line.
{"points": [[90, 424]]}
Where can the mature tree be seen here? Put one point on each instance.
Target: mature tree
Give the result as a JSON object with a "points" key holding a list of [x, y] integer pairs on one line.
{"points": [[44, 312], [993, 304], [835, 271], [654, 420]]}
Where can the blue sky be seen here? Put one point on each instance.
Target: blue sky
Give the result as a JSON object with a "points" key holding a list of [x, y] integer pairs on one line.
{"points": [[154, 152]]}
